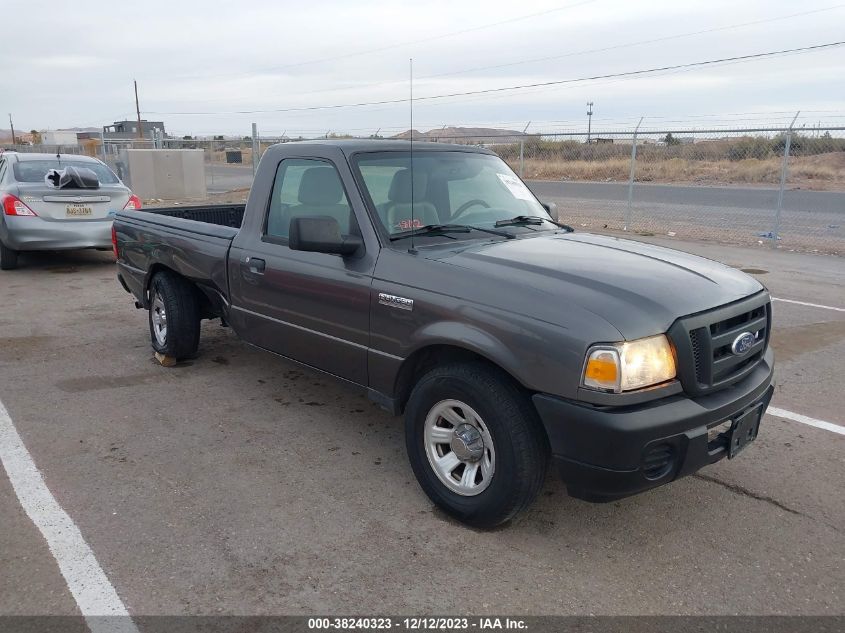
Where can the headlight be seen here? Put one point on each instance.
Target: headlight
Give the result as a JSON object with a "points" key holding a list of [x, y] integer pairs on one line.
{"points": [[630, 365]]}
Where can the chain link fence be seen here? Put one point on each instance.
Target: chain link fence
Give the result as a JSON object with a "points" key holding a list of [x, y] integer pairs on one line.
{"points": [[228, 161], [770, 186]]}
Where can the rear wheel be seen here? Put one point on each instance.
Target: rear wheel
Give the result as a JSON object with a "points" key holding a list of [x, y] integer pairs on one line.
{"points": [[475, 443], [174, 316], [8, 257]]}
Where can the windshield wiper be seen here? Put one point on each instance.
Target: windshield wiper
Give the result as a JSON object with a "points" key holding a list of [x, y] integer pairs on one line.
{"points": [[524, 220], [434, 229]]}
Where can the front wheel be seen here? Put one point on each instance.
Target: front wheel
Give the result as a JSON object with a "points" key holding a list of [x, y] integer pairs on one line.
{"points": [[475, 443], [8, 257], [173, 316]]}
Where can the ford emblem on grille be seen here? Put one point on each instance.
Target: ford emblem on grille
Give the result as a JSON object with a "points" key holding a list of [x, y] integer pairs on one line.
{"points": [[743, 343]]}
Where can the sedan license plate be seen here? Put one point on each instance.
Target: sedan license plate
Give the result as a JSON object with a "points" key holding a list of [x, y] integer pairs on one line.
{"points": [[75, 211], [744, 430]]}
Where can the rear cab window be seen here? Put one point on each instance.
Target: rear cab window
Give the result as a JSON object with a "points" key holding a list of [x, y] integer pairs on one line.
{"points": [[306, 187]]}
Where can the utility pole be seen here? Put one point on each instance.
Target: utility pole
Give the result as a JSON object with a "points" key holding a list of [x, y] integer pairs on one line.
{"points": [[12, 125], [589, 119], [138, 111]]}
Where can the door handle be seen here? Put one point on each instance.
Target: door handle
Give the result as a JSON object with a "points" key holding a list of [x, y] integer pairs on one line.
{"points": [[255, 265]]}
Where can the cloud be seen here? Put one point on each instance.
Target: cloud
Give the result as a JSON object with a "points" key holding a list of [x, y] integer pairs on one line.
{"points": [[70, 62], [216, 56]]}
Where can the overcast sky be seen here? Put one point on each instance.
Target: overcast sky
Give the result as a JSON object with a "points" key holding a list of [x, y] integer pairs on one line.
{"points": [[198, 63]]}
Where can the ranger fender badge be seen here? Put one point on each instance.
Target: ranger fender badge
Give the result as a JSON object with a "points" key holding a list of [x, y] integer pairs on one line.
{"points": [[395, 302]]}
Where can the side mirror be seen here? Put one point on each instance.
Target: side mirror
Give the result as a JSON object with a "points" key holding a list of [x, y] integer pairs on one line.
{"points": [[320, 234], [551, 207]]}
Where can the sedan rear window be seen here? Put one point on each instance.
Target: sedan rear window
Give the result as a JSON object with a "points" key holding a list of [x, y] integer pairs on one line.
{"points": [[35, 170]]}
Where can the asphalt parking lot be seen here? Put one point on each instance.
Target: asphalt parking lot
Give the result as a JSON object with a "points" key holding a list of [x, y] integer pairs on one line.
{"points": [[239, 483]]}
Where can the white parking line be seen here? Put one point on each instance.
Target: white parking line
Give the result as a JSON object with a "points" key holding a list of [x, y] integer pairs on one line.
{"points": [[86, 580], [803, 419], [810, 305]]}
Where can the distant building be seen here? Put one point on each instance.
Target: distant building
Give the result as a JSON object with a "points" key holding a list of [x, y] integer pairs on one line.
{"points": [[58, 137], [88, 135], [128, 130]]}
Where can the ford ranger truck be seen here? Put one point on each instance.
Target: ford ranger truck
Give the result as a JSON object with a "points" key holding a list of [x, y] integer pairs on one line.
{"points": [[433, 279]]}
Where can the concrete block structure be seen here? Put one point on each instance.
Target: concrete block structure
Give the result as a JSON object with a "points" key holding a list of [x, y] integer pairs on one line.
{"points": [[169, 174]]}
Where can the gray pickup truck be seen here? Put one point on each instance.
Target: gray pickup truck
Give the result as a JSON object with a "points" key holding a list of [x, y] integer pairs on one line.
{"points": [[435, 281]]}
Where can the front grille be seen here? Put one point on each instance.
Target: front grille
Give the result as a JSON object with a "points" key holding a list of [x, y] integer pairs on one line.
{"points": [[703, 343], [695, 337]]}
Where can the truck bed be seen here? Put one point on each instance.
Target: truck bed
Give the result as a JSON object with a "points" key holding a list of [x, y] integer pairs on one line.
{"points": [[230, 215], [192, 241]]}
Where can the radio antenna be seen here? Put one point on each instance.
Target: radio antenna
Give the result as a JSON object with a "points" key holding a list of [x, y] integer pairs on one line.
{"points": [[411, 86]]}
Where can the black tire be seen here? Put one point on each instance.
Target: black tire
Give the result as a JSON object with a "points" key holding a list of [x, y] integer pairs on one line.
{"points": [[178, 296], [8, 258], [521, 446]]}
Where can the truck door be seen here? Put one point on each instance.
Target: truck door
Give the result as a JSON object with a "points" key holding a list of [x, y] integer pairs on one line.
{"points": [[311, 307]]}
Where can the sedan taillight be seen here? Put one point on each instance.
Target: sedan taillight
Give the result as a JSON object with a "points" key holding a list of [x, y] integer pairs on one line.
{"points": [[12, 205], [134, 203]]}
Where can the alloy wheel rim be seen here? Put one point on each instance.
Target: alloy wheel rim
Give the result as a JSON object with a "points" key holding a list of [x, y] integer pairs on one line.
{"points": [[459, 447], [159, 316]]}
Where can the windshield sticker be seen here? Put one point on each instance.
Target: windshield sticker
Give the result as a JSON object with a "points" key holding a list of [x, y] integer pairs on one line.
{"points": [[407, 224], [516, 187]]}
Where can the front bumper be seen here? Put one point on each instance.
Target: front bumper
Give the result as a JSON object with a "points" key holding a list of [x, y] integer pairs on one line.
{"points": [[38, 234], [604, 453]]}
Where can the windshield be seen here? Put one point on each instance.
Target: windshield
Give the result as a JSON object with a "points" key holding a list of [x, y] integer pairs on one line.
{"points": [[35, 170], [448, 188]]}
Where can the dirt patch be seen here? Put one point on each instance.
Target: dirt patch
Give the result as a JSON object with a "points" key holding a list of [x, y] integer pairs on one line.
{"points": [[99, 383], [62, 270], [15, 348], [236, 196]]}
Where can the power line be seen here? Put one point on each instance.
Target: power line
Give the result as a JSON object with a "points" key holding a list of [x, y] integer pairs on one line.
{"points": [[629, 44], [380, 49], [630, 76], [548, 58], [542, 84]]}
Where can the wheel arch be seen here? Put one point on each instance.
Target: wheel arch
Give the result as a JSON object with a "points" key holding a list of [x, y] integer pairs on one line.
{"points": [[426, 357], [206, 303]]}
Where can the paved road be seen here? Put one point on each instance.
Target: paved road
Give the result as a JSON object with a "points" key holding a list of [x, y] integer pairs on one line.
{"points": [[228, 177], [762, 198], [811, 221], [240, 483], [223, 178]]}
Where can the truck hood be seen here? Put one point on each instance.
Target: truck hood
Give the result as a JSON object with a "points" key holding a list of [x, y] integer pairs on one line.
{"points": [[638, 288]]}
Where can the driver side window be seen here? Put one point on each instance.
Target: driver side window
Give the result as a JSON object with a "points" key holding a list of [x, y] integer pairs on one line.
{"points": [[306, 187]]}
